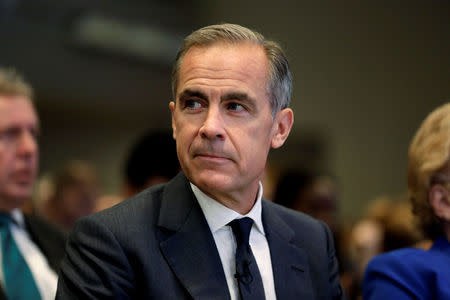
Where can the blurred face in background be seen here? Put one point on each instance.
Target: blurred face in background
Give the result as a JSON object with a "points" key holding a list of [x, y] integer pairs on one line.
{"points": [[77, 200], [18, 150]]}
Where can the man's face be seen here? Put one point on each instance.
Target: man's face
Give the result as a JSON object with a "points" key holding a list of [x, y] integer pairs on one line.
{"points": [[222, 119], [18, 150]]}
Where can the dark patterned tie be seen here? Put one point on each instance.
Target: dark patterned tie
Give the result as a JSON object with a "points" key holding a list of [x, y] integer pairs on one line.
{"points": [[19, 282], [247, 272]]}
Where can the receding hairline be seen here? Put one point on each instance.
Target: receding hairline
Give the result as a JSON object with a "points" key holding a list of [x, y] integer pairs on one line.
{"points": [[236, 44], [223, 43]]}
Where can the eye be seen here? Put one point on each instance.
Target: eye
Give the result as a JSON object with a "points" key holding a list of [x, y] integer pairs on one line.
{"points": [[35, 133], [10, 134], [234, 106], [192, 104]]}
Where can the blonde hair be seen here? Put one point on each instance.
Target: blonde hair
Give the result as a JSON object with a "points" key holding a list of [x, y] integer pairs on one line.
{"points": [[12, 83], [429, 154], [279, 85]]}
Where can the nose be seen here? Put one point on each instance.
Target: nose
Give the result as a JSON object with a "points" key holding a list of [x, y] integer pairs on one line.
{"points": [[213, 126], [27, 144]]}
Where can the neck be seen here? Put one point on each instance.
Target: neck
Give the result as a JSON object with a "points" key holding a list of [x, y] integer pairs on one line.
{"points": [[240, 202]]}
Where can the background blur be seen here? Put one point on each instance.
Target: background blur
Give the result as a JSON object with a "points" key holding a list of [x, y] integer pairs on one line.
{"points": [[365, 76]]}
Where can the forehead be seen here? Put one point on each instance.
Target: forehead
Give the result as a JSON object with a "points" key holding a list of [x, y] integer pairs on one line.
{"points": [[16, 111], [225, 63]]}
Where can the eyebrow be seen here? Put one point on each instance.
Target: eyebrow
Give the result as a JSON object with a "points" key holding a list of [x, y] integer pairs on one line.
{"points": [[243, 97], [192, 93], [236, 96]]}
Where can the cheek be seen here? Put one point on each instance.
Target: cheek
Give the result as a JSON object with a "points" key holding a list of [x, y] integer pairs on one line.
{"points": [[183, 142], [186, 134], [6, 162]]}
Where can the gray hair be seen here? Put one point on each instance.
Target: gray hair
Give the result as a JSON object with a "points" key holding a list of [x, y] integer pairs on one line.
{"points": [[12, 83], [279, 84]]}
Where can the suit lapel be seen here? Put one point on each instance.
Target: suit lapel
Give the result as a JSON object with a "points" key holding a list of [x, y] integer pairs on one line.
{"points": [[187, 243], [52, 249], [2, 294], [289, 263]]}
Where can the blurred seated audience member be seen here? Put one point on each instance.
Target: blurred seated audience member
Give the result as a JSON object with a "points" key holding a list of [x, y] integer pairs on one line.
{"points": [[388, 225], [30, 249], [151, 160], [312, 193], [414, 273], [75, 193]]}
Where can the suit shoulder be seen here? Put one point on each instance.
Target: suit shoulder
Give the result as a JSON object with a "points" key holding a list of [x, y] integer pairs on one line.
{"points": [[405, 261], [410, 269], [134, 214], [143, 208], [141, 203]]}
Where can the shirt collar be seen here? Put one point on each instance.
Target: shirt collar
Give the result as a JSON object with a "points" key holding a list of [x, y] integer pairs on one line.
{"points": [[17, 217], [218, 215]]}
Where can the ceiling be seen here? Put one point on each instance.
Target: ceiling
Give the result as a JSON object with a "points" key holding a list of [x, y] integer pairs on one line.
{"points": [[101, 55]]}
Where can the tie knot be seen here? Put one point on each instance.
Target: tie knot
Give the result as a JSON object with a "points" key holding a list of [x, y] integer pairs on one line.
{"points": [[241, 229]]}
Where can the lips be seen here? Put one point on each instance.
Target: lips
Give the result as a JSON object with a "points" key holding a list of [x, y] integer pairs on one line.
{"points": [[23, 176], [212, 157]]}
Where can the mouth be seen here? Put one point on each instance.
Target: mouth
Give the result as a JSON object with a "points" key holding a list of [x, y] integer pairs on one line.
{"points": [[23, 176], [213, 158]]}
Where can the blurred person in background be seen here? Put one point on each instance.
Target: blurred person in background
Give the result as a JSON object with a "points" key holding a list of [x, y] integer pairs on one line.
{"points": [[75, 190], [387, 225], [414, 273], [310, 192], [31, 249], [151, 160]]}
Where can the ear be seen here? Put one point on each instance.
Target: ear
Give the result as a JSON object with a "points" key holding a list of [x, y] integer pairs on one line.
{"points": [[439, 198], [174, 127], [282, 126]]}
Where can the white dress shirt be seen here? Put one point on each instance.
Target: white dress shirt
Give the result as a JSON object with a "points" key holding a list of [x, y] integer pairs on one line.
{"points": [[44, 276], [218, 216]]}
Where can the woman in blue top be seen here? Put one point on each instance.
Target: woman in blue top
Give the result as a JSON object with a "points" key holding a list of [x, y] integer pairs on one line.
{"points": [[415, 273]]}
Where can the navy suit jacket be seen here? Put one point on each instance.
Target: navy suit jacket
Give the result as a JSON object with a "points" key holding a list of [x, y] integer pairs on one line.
{"points": [[158, 245]]}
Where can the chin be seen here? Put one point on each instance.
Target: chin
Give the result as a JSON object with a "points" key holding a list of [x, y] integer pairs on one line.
{"points": [[213, 181], [21, 193]]}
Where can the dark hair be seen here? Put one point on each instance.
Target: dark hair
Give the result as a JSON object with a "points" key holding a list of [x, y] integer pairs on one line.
{"points": [[153, 154], [290, 184]]}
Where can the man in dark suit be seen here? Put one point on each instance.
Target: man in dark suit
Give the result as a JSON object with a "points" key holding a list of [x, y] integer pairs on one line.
{"points": [[207, 234], [31, 249]]}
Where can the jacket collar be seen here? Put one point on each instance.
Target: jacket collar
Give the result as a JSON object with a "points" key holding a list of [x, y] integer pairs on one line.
{"points": [[289, 262], [187, 243]]}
